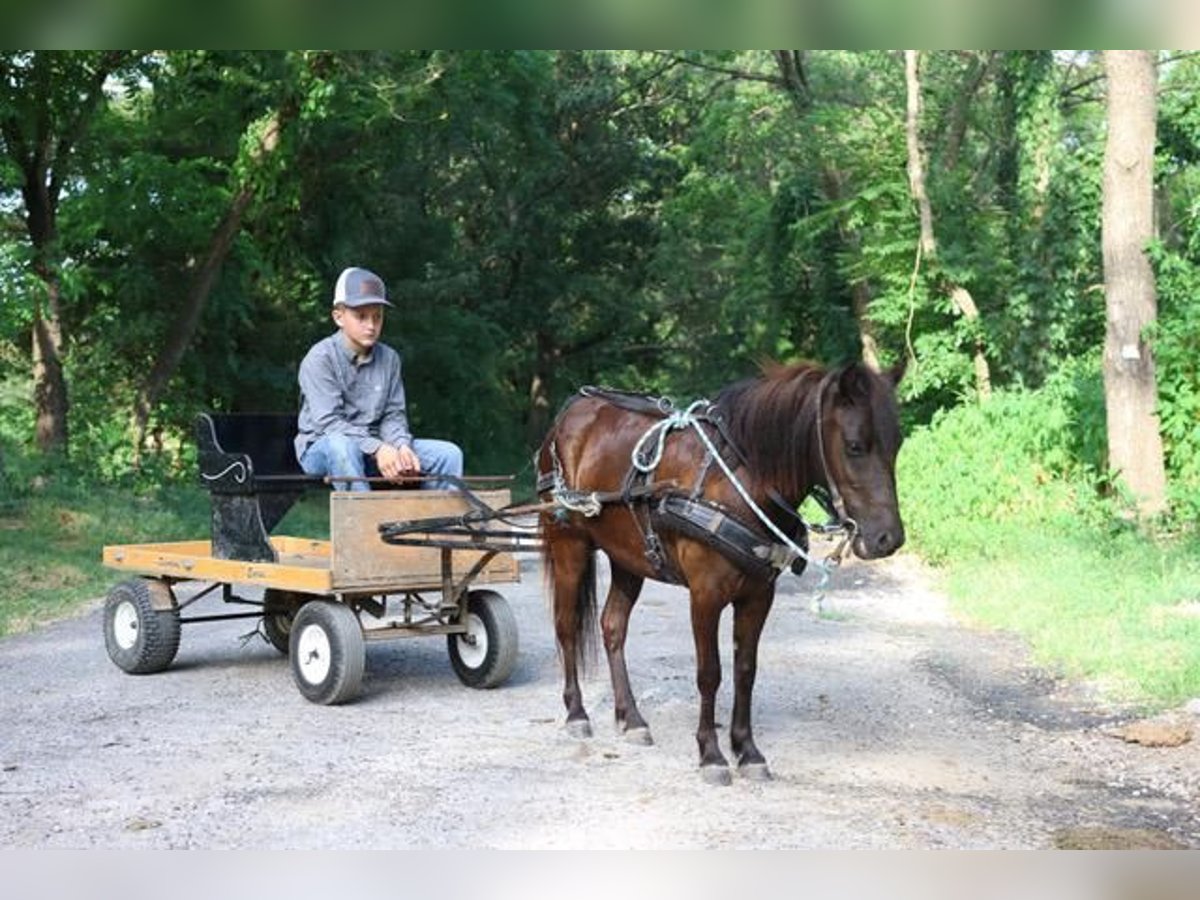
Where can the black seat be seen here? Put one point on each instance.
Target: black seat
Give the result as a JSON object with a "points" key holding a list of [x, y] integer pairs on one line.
{"points": [[248, 465], [267, 438]]}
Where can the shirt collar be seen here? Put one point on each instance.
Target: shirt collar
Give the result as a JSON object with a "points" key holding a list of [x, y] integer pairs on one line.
{"points": [[348, 353]]}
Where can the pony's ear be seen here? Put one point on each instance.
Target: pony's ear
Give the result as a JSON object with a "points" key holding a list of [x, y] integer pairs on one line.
{"points": [[896, 372], [853, 383]]}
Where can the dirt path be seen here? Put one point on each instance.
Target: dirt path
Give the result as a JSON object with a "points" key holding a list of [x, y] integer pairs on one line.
{"points": [[885, 723]]}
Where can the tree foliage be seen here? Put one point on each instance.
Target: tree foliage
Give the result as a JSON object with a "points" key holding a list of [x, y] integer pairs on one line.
{"points": [[545, 219]]}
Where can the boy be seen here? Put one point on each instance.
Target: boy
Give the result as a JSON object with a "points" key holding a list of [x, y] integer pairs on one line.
{"points": [[353, 421]]}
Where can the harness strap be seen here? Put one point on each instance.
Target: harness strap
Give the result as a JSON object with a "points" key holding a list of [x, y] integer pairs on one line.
{"points": [[655, 437], [636, 487], [631, 401], [655, 553], [714, 526]]}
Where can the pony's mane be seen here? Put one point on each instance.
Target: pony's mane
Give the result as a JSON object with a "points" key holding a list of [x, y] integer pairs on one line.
{"points": [[772, 419]]}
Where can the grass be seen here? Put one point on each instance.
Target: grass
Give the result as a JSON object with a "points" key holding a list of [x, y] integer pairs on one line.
{"points": [[1119, 610], [51, 541]]}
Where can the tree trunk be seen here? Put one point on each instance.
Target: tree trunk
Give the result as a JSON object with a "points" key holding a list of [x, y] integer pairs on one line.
{"points": [[916, 161], [959, 295], [794, 78], [50, 400], [49, 383], [860, 290], [980, 68], [545, 357], [1135, 449], [188, 319]]}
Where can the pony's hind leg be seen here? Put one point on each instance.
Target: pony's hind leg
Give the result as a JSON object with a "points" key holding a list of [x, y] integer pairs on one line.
{"points": [[623, 592], [571, 569]]}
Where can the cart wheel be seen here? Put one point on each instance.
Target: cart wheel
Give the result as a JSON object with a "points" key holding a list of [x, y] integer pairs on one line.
{"points": [[328, 653], [486, 654], [139, 638], [279, 612]]}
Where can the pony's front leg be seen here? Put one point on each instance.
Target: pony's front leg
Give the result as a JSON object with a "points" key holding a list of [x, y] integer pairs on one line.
{"points": [[623, 592], [706, 616], [749, 616]]}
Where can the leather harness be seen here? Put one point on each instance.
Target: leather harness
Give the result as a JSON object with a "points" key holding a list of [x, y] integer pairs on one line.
{"points": [[690, 514]]}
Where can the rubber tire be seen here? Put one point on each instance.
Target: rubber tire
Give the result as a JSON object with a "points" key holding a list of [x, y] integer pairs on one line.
{"points": [[139, 638], [279, 615], [327, 652], [489, 662]]}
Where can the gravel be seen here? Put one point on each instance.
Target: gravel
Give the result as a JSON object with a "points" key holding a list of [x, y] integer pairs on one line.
{"points": [[887, 724]]}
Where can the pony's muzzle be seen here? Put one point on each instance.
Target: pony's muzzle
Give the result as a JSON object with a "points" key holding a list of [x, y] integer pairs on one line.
{"points": [[878, 544]]}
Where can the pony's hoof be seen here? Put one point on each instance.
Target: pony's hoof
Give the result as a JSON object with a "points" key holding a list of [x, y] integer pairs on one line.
{"points": [[755, 772], [640, 736], [716, 775], [579, 728]]}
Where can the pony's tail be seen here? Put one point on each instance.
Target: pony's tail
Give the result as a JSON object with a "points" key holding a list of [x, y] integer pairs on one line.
{"points": [[575, 611]]}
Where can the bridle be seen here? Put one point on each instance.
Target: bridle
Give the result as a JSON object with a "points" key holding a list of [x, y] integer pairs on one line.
{"points": [[828, 496]]}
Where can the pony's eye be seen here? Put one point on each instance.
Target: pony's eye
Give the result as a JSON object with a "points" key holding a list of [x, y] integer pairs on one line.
{"points": [[855, 448]]}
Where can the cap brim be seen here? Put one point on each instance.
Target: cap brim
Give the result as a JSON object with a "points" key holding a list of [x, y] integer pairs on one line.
{"points": [[363, 301]]}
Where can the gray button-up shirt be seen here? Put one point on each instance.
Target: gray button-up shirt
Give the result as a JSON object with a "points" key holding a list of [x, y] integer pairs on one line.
{"points": [[362, 397]]}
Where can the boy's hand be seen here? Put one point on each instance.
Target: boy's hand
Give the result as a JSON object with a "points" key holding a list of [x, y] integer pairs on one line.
{"points": [[396, 461]]}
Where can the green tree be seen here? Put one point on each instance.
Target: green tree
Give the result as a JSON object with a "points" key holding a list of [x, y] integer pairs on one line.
{"points": [[48, 103], [159, 234]]}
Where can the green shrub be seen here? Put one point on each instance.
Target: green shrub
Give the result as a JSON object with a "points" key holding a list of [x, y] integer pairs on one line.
{"points": [[1176, 342], [1024, 457]]}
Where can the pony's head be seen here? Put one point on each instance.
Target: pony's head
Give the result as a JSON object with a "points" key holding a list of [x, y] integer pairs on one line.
{"points": [[860, 437], [801, 425]]}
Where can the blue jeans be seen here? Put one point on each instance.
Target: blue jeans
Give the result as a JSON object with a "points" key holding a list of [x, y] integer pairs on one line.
{"points": [[336, 454]]}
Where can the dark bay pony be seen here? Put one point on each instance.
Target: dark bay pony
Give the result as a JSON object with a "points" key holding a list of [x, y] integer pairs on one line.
{"points": [[784, 433]]}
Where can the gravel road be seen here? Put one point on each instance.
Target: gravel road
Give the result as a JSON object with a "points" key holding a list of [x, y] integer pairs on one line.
{"points": [[886, 724]]}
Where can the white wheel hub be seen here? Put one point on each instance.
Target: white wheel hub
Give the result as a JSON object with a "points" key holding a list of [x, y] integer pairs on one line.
{"points": [[125, 625], [473, 645], [314, 654]]}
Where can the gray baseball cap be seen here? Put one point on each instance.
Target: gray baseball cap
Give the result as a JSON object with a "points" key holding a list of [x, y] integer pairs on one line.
{"points": [[359, 287]]}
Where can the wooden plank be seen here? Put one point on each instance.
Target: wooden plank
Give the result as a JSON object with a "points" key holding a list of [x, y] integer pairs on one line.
{"points": [[302, 551], [304, 564], [360, 559]]}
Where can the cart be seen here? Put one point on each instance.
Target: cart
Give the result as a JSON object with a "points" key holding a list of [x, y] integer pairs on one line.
{"points": [[382, 574]]}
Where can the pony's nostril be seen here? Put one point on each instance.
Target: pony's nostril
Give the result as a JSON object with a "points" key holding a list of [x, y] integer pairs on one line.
{"points": [[889, 541]]}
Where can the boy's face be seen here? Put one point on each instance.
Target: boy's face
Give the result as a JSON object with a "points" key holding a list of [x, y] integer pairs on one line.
{"points": [[361, 325]]}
